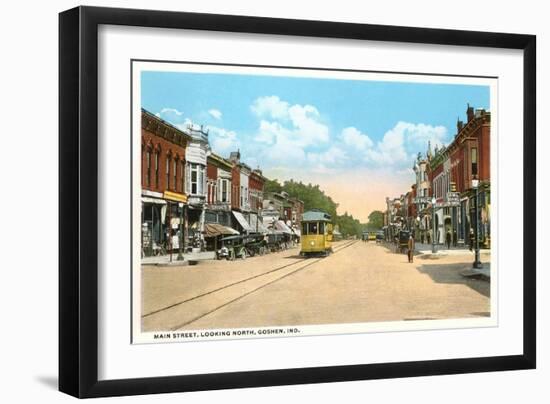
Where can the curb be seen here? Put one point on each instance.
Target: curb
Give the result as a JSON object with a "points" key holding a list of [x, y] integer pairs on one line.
{"points": [[168, 264], [472, 273]]}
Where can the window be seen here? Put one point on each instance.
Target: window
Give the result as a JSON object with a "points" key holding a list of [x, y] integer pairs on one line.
{"points": [[242, 196], [312, 228], [156, 169], [224, 186], [321, 228], [167, 185], [201, 182], [194, 178], [304, 229], [175, 174], [148, 174], [182, 175], [474, 161]]}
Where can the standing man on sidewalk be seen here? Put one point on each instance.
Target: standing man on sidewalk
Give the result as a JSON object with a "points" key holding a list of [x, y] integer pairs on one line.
{"points": [[448, 239], [410, 248]]}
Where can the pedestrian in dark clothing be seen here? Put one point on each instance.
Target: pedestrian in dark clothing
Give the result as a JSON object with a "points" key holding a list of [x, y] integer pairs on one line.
{"points": [[448, 239], [410, 246]]}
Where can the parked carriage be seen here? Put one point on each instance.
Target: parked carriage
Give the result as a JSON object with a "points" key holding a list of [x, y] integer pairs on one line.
{"points": [[277, 241], [317, 233], [255, 244]]}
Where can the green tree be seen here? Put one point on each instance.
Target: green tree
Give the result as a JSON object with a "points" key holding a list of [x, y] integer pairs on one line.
{"points": [[315, 198], [272, 186], [376, 220]]}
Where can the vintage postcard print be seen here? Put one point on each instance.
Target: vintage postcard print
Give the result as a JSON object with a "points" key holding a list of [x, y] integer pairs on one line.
{"points": [[278, 202]]}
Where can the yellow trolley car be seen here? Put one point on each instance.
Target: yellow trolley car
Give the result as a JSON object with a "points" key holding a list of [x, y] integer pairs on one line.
{"points": [[317, 233]]}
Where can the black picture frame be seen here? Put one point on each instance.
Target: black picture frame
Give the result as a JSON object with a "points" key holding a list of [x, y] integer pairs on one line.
{"points": [[78, 200]]}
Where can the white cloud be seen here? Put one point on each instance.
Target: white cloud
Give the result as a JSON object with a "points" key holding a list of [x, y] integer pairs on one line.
{"points": [[308, 129], [332, 158], [282, 153], [389, 151], [418, 135], [401, 143], [271, 107], [170, 114], [186, 124], [285, 131], [222, 140], [268, 132], [354, 138], [215, 113]]}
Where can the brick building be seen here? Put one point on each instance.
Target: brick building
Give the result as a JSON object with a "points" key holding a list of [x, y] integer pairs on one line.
{"points": [[218, 206], [452, 170], [240, 195], [163, 182]]}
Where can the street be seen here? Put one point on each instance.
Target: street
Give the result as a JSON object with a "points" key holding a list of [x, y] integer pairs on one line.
{"points": [[359, 282]]}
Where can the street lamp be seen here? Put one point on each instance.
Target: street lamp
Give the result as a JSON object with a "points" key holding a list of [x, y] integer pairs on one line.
{"points": [[477, 262], [433, 224]]}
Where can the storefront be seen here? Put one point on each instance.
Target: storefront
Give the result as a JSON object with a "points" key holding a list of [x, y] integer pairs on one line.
{"points": [[175, 220], [153, 216], [222, 217], [241, 223]]}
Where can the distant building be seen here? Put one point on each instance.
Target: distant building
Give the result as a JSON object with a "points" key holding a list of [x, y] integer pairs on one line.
{"points": [[280, 206]]}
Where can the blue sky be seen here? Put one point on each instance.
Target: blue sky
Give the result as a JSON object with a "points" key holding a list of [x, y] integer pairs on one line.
{"points": [[313, 129]]}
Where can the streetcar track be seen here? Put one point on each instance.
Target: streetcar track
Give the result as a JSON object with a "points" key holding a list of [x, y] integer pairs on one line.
{"points": [[255, 290], [171, 306]]}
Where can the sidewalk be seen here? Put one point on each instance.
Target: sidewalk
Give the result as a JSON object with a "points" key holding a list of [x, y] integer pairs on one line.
{"points": [[188, 259], [441, 249]]}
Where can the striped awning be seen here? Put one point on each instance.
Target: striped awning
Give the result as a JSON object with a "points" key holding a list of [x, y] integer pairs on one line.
{"points": [[242, 221], [147, 199], [281, 226]]}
